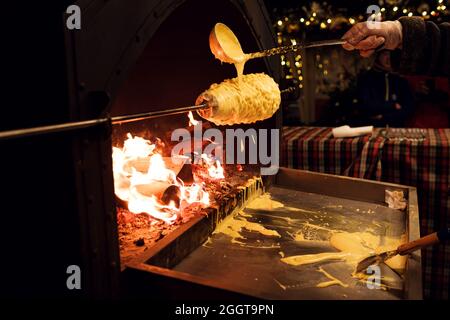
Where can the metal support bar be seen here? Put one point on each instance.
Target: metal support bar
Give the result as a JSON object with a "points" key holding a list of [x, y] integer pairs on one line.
{"points": [[71, 126], [156, 114]]}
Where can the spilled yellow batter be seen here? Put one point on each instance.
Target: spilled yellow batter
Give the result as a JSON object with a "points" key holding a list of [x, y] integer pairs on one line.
{"points": [[247, 215], [264, 202], [364, 244], [233, 227], [353, 247], [299, 236], [315, 258], [364, 277], [333, 281]]}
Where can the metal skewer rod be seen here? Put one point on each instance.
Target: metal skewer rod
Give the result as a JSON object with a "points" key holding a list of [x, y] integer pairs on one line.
{"points": [[62, 127], [156, 114], [71, 126], [77, 125]]}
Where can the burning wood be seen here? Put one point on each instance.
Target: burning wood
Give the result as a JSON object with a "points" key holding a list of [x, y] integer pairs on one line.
{"points": [[157, 194], [146, 181]]}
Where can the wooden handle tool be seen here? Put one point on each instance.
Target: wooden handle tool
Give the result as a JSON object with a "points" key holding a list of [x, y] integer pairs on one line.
{"points": [[404, 249]]}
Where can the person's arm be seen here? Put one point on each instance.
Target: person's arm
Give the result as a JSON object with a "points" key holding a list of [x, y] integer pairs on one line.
{"points": [[419, 47], [425, 48], [367, 37]]}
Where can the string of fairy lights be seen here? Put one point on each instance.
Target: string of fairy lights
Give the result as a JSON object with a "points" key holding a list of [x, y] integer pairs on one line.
{"points": [[292, 25]]}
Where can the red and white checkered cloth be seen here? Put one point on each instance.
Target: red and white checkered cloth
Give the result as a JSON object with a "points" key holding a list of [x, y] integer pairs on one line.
{"points": [[424, 164]]}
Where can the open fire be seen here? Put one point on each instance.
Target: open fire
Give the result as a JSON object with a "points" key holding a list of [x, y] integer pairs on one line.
{"points": [[148, 182]]}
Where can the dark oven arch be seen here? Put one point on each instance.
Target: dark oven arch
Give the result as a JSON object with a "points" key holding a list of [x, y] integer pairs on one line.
{"points": [[115, 38]]}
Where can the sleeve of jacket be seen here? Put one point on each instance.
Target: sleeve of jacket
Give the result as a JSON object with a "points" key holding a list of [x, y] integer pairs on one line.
{"points": [[425, 48]]}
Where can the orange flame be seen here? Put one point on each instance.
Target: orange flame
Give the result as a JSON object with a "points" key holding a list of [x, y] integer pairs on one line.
{"points": [[131, 177], [192, 121]]}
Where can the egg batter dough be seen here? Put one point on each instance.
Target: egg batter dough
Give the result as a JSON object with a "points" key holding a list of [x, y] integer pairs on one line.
{"points": [[232, 227], [333, 281], [245, 99], [315, 258]]}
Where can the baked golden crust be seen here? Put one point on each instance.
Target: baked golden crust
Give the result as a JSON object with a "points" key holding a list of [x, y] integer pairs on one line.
{"points": [[246, 99]]}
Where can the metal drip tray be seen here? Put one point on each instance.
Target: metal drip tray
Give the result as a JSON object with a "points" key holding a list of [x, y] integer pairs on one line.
{"points": [[308, 203], [254, 266]]}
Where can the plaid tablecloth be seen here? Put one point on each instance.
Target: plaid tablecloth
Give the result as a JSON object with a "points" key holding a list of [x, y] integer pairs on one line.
{"points": [[422, 163]]}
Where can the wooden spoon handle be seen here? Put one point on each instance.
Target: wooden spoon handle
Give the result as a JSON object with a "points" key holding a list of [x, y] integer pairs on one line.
{"points": [[426, 241]]}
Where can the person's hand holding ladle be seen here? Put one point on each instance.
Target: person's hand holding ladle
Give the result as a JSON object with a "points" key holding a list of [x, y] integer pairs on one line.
{"points": [[226, 47]]}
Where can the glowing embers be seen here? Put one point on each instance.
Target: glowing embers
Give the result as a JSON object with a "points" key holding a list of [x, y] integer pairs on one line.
{"points": [[148, 182]]}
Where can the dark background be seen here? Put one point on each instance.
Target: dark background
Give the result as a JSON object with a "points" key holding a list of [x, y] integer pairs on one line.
{"points": [[38, 236]]}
